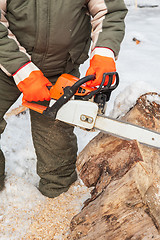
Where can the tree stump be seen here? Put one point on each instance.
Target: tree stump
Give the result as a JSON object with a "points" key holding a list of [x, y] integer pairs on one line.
{"points": [[125, 177]]}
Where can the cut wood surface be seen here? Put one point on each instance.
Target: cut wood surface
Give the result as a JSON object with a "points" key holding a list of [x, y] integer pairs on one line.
{"points": [[16, 111], [125, 176]]}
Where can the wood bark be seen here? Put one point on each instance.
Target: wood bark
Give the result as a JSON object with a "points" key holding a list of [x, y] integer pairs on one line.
{"points": [[125, 180]]}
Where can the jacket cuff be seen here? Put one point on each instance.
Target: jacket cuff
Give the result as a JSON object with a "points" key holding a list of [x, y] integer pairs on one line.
{"points": [[24, 72], [102, 51]]}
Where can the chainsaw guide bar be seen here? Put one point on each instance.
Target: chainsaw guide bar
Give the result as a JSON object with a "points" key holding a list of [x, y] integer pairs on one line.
{"points": [[76, 104]]}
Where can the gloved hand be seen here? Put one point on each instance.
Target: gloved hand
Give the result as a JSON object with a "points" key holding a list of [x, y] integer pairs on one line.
{"points": [[32, 83], [101, 62]]}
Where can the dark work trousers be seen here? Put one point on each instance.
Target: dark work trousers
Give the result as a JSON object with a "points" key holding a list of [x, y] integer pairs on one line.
{"points": [[54, 141]]}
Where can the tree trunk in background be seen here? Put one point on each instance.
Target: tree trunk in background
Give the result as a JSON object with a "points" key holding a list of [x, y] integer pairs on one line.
{"points": [[125, 176]]}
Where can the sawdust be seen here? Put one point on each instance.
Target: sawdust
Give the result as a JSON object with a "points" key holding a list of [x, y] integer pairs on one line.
{"points": [[53, 220]]}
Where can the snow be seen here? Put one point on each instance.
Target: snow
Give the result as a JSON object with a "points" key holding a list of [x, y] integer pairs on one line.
{"points": [[139, 69]]}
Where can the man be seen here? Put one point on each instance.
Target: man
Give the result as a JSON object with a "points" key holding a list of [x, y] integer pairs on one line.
{"points": [[40, 40]]}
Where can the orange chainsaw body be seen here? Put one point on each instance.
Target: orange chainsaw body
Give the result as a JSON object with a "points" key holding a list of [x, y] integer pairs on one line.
{"points": [[57, 90], [65, 80], [68, 86]]}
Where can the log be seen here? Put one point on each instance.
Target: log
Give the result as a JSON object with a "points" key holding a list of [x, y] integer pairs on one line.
{"points": [[16, 111], [125, 180]]}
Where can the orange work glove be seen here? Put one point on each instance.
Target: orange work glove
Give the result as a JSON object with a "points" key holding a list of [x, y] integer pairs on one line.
{"points": [[32, 83], [101, 62]]}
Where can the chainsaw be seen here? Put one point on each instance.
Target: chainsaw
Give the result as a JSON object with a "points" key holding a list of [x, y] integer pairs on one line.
{"points": [[73, 102]]}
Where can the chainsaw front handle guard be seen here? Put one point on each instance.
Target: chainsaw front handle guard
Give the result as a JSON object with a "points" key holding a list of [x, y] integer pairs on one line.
{"points": [[69, 92]]}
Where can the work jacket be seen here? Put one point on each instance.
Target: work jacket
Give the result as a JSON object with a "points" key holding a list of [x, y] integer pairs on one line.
{"points": [[56, 35]]}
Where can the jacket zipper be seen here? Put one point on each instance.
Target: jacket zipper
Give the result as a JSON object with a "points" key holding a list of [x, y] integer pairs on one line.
{"points": [[42, 31]]}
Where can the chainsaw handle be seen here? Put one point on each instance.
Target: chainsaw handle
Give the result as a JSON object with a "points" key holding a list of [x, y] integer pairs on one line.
{"points": [[105, 88], [69, 92], [82, 81], [109, 87]]}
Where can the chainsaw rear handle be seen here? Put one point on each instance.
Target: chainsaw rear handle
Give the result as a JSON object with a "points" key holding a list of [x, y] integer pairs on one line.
{"points": [[106, 88]]}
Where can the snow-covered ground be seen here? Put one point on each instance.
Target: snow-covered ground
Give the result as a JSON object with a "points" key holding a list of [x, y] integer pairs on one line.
{"points": [[20, 203]]}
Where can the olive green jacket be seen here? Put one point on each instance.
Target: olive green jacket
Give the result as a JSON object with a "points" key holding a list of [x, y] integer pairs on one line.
{"points": [[56, 34]]}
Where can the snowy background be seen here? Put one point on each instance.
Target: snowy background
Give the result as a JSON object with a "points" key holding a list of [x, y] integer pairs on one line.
{"points": [[139, 69]]}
